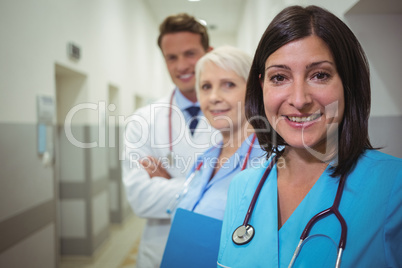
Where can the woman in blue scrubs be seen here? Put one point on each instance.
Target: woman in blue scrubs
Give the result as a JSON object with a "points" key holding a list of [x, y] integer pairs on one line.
{"points": [[221, 77], [309, 82]]}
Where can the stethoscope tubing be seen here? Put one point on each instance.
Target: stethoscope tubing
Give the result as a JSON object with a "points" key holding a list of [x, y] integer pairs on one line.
{"points": [[257, 192], [243, 239], [170, 122], [249, 152], [245, 232], [333, 209]]}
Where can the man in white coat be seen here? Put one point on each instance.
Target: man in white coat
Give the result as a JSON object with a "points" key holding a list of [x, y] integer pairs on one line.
{"points": [[162, 140]]}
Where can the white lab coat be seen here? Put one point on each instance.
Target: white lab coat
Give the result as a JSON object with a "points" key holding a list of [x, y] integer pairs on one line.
{"points": [[148, 134]]}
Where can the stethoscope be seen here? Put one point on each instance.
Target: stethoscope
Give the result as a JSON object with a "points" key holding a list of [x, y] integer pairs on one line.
{"points": [[170, 155], [245, 232], [186, 186]]}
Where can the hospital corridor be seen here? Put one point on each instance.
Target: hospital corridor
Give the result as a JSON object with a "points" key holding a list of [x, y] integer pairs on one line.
{"points": [[73, 72], [119, 250]]}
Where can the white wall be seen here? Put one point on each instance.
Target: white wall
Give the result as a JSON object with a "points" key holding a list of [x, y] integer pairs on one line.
{"points": [[26, 51], [259, 13], [381, 38], [117, 40], [218, 39], [118, 46]]}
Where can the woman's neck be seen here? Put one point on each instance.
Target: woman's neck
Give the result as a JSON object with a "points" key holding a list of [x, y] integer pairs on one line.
{"points": [[233, 141], [298, 171], [300, 166]]}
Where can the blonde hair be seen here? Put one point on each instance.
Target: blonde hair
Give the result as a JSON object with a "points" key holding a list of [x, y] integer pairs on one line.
{"points": [[228, 58]]}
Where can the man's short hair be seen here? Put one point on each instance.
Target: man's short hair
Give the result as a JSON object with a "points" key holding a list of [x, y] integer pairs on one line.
{"points": [[183, 23]]}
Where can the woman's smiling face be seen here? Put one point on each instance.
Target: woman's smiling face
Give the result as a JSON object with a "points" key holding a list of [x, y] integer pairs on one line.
{"points": [[303, 93], [221, 96]]}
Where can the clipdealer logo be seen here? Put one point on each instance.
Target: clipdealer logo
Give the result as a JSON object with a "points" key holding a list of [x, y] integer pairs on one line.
{"points": [[107, 124], [112, 128]]}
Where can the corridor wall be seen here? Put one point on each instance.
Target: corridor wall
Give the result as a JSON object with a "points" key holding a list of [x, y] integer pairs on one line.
{"points": [[45, 210]]}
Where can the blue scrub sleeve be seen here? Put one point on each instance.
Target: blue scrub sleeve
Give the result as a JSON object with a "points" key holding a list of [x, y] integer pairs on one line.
{"points": [[393, 228]]}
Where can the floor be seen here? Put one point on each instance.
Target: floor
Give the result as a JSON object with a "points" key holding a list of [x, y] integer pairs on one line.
{"points": [[119, 251]]}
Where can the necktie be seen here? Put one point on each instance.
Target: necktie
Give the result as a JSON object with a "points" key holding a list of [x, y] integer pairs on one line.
{"points": [[193, 111]]}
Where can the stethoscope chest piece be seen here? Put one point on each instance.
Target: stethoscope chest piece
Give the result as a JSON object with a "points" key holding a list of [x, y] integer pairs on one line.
{"points": [[243, 234]]}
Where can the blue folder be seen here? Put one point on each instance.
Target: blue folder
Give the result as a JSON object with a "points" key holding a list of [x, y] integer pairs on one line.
{"points": [[193, 241]]}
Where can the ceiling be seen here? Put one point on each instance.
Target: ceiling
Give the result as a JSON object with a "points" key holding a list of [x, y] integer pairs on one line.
{"points": [[223, 16], [377, 7], [220, 15]]}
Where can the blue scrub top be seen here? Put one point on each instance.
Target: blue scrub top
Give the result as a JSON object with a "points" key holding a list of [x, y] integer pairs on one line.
{"points": [[208, 196], [371, 205]]}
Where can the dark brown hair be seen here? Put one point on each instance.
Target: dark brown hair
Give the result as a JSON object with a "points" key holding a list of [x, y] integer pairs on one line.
{"points": [[183, 23], [297, 22]]}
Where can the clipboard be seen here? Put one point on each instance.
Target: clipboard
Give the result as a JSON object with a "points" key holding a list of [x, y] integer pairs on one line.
{"points": [[193, 241]]}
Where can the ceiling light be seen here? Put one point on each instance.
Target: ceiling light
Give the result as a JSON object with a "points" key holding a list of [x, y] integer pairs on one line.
{"points": [[203, 22], [194, 0]]}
